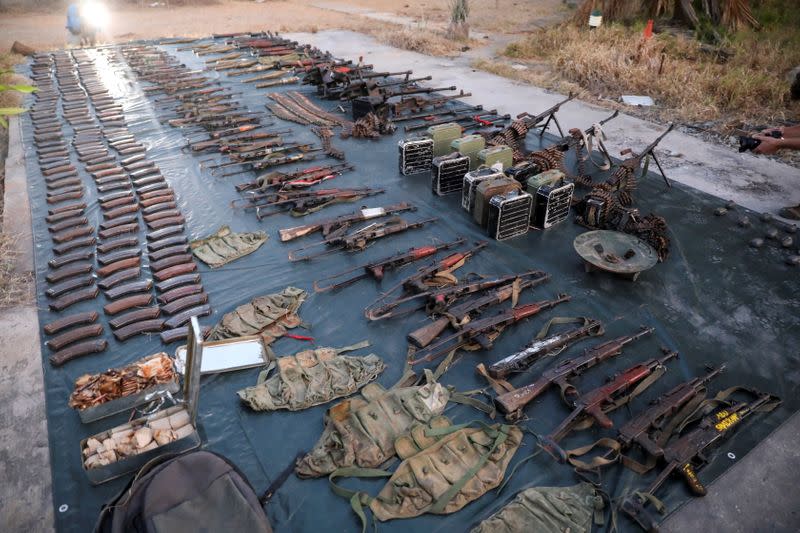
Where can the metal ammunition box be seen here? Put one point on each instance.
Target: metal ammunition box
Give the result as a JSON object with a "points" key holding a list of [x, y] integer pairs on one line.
{"points": [[548, 177], [485, 191], [522, 171], [471, 181], [415, 155], [469, 145], [447, 174], [497, 154], [364, 105], [551, 205], [509, 215], [443, 135]]}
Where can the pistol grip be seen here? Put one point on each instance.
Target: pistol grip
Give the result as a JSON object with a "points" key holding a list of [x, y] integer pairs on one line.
{"points": [[600, 417], [690, 476]]}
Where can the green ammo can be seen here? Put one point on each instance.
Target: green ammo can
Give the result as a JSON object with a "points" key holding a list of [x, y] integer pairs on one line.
{"points": [[470, 145]]}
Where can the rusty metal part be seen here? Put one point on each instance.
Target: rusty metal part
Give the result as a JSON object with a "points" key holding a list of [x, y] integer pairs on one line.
{"points": [[74, 335], [117, 185], [173, 271], [58, 198], [68, 223], [56, 170], [149, 180], [89, 293], [123, 304], [113, 196], [171, 261], [115, 279], [184, 303], [60, 249], [137, 328], [177, 281], [114, 178], [117, 202], [77, 319], [118, 256], [165, 222], [176, 334], [127, 289], [119, 221], [68, 271], [183, 317], [54, 291], [121, 242], [108, 172], [65, 182], [153, 187], [169, 241], [139, 165], [70, 207], [119, 230], [180, 292], [144, 195], [99, 166], [159, 207], [145, 313], [72, 234], [168, 251], [64, 215], [116, 266], [167, 213], [66, 259], [165, 232], [78, 350]]}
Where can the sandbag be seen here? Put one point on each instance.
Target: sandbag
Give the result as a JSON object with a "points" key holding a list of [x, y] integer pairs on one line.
{"points": [[225, 246], [312, 377], [268, 316]]}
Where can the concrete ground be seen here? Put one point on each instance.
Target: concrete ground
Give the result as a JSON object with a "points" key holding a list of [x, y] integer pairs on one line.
{"points": [[752, 496]]}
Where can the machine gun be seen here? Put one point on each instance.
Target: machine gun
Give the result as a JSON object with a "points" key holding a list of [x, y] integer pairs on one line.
{"points": [[415, 104], [457, 314], [371, 87], [379, 103], [534, 121], [471, 117], [483, 331], [360, 239], [339, 224], [682, 455], [604, 399], [629, 166], [377, 269]]}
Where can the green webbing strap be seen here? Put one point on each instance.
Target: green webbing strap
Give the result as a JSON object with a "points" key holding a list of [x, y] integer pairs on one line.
{"points": [[357, 499], [444, 366], [645, 497], [408, 378], [602, 460], [500, 437], [466, 399], [640, 388], [557, 320], [352, 347], [523, 460]]}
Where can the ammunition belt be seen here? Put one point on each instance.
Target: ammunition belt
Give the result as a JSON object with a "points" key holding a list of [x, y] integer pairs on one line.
{"points": [[298, 111]]}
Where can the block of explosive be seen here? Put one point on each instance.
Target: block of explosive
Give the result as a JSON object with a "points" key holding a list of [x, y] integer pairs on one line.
{"points": [[416, 155], [509, 215], [443, 135], [471, 181], [447, 173], [485, 191], [497, 154], [470, 145]]}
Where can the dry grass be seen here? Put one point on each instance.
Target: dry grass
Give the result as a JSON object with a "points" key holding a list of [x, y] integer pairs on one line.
{"points": [[687, 83], [15, 288], [421, 40]]}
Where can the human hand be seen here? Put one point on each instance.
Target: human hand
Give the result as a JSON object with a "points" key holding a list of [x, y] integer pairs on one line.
{"points": [[769, 131], [769, 145]]}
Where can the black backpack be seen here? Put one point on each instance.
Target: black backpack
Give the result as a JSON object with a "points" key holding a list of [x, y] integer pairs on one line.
{"points": [[198, 491]]}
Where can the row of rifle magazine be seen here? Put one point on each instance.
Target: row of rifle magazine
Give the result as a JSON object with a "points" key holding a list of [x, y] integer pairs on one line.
{"points": [[467, 150], [127, 185]]}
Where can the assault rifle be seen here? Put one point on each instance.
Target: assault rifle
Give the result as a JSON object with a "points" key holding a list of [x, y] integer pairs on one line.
{"points": [[341, 223], [472, 117], [377, 269], [681, 454], [633, 163], [277, 179], [483, 330], [358, 240], [429, 116], [359, 88], [415, 104], [604, 399], [200, 146], [457, 314], [303, 203]]}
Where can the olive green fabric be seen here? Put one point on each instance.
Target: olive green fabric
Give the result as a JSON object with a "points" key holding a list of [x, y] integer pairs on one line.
{"points": [[550, 509], [225, 246], [443, 476], [362, 431], [312, 377], [269, 316]]}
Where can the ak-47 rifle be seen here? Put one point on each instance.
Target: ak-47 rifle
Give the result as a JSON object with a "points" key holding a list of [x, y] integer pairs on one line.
{"points": [[483, 330], [417, 284], [377, 269], [632, 164], [341, 223], [200, 146], [457, 314], [442, 112], [273, 161], [277, 179], [246, 158], [458, 118], [517, 399], [596, 403], [682, 454], [358, 240], [308, 201]]}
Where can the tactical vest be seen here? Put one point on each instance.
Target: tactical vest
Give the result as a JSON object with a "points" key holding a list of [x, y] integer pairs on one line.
{"points": [[362, 430], [268, 315], [312, 377], [225, 246]]}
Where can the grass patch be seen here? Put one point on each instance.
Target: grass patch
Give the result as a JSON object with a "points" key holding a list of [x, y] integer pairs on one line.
{"points": [[15, 288], [688, 82], [421, 40]]}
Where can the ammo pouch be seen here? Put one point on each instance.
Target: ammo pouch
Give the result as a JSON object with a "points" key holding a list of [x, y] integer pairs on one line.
{"points": [[444, 468], [268, 315], [570, 509], [362, 430], [225, 246], [312, 377]]}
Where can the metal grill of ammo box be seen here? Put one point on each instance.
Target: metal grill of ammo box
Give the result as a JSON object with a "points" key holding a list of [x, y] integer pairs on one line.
{"points": [[416, 156], [552, 205], [448, 175], [471, 182], [509, 215]]}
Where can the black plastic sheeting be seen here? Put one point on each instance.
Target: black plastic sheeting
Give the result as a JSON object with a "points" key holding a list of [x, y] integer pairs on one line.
{"points": [[715, 300]]}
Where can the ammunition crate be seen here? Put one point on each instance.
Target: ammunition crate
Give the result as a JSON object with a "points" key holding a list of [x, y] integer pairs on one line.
{"points": [[551, 205], [522, 171], [484, 193], [497, 154], [509, 215], [415, 155], [471, 181], [469, 145], [548, 177], [443, 135], [447, 174]]}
